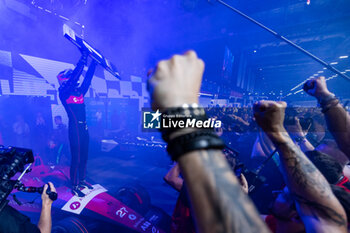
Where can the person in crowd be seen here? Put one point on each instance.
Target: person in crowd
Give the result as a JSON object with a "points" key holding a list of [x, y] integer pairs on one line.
{"points": [[265, 160], [58, 145], [262, 148], [337, 118], [21, 132], [4, 131], [346, 171], [182, 220], [97, 129], [329, 146], [216, 197], [72, 98], [40, 124], [15, 222], [299, 136], [173, 178], [307, 191], [331, 169], [40, 133]]}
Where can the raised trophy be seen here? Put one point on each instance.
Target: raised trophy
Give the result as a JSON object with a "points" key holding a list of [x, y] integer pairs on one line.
{"points": [[83, 45]]}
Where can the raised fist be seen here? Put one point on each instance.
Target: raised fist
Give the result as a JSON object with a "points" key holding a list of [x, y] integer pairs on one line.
{"points": [[176, 81], [317, 87], [270, 115]]}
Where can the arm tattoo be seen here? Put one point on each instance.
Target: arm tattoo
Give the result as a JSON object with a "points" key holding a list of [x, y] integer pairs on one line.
{"points": [[307, 183], [319, 209], [232, 209]]}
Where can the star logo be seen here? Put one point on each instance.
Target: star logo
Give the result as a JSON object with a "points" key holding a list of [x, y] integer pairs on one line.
{"points": [[151, 120], [156, 115]]}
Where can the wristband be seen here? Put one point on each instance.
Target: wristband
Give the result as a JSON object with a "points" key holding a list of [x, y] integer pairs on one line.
{"points": [[300, 139], [198, 140], [330, 104], [182, 113], [186, 109], [326, 100]]}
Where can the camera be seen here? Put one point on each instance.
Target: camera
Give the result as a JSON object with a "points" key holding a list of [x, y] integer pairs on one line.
{"points": [[12, 160], [253, 178]]}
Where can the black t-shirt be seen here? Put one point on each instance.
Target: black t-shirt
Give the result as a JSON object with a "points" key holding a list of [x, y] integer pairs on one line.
{"points": [[12, 221]]}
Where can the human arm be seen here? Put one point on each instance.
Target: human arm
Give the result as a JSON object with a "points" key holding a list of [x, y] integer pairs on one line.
{"points": [[244, 183], [217, 200], [45, 221], [239, 119], [305, 145], [316, 204], [88, 77], [216, 196], [346, 171], [66, 88], [78, 70], [299, 136], [338, 120], [173, 178], [265, 143]]}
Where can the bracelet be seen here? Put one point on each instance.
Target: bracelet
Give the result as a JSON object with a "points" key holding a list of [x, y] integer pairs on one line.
{"points": [[197, 140], [330, 104], [325, 101], [186, 110], [183, 113], [298, 139]]}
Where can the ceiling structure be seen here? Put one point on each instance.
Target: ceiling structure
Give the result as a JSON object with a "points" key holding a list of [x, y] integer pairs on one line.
{"points": [[322, 28], [136, 34]]}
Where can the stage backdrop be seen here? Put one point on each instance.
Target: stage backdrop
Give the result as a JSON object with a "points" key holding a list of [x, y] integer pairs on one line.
{"points": [[24, 75]]}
